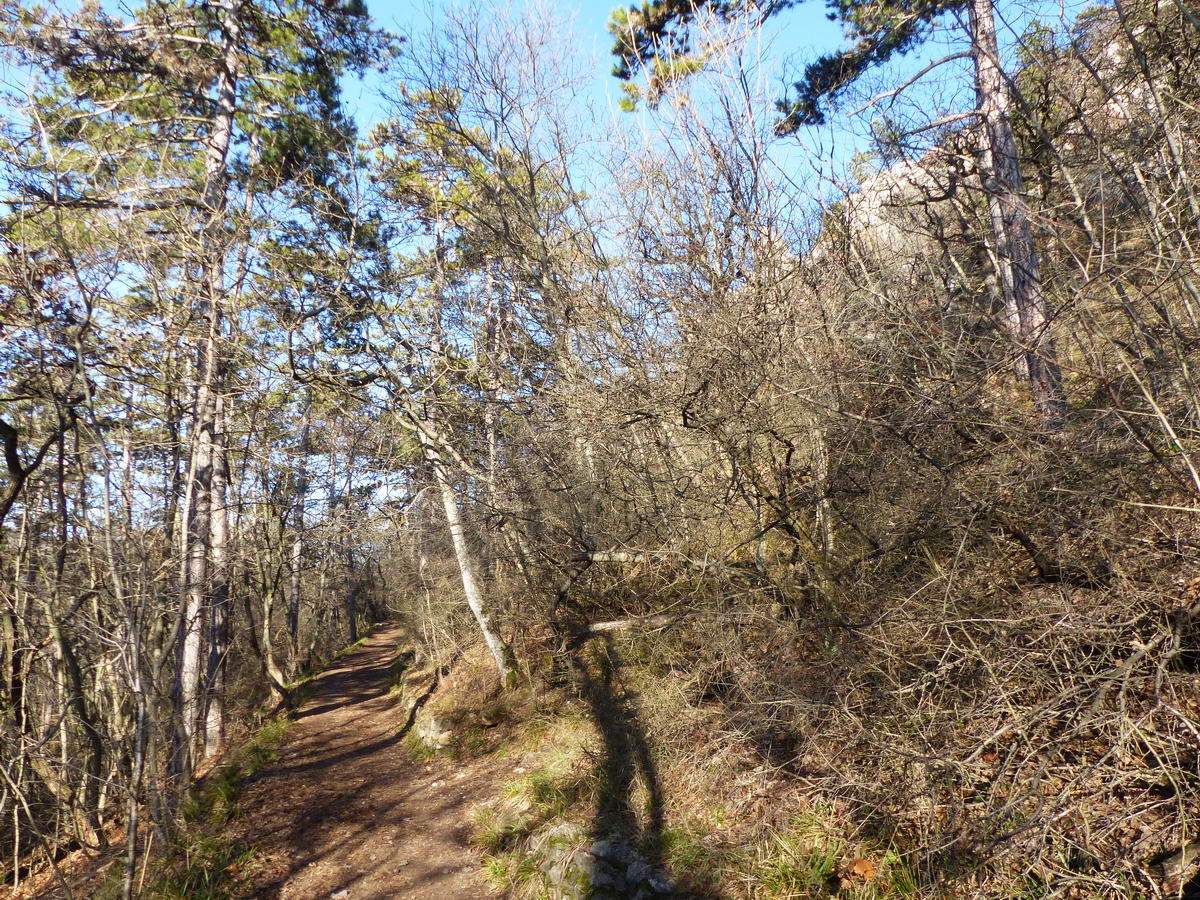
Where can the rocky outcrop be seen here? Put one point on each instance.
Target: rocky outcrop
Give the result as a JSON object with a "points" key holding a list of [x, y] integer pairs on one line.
{"points": [[434, 732], [578, 868]]}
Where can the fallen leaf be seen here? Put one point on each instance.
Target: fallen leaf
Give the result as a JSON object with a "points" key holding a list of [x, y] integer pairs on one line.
{"points": [[860, 869]]}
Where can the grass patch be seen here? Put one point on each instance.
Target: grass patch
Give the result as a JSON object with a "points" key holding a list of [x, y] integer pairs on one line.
{"points": [[205, 862], [512, 872], [697, 864], [207, 869], [420, 750], [215, 802], [560, 762], [527, 805], [500, 829], [398, 674], [561, 785], [810, 861], [794, 869]]}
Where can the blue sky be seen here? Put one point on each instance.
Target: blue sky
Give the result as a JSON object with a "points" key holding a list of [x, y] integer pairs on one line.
{"points": [[798, 36], [803, 32], [817, 163], [806, 25]]}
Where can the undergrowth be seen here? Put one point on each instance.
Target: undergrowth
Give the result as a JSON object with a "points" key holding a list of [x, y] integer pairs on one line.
{"points": [[731, 826], [205, 861]]}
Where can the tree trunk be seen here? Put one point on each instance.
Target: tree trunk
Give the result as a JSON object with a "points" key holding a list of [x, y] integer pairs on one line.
{"points": [[218, 637], [208, 286], [491, 397], [501, 652], [274, 673], [429, 438], [1025, 314], [296, 554], [197, 541], [348, 549]]}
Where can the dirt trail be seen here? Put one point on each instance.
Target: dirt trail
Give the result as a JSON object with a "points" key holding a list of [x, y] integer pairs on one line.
{"points": [[346, 813]]}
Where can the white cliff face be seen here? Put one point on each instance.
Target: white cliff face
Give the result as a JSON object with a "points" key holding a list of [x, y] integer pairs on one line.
{"points": [[900, 217], [897, 215], [891, 212]]}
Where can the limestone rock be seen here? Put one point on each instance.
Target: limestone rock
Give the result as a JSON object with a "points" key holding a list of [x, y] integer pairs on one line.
{"points": [[434, 732], [605, 869]]}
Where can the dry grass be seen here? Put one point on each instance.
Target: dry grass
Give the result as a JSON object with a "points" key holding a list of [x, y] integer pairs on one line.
{"points": [[1037, 741]]}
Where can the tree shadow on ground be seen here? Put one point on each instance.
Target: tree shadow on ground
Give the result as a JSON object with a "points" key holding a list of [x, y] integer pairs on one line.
{"points": [[627, 758]]}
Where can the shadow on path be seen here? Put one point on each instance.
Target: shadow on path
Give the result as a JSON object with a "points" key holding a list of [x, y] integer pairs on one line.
{"points": [[631, 804], [347, 810]]}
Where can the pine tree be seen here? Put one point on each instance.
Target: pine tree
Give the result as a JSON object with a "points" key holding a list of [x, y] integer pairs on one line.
{"points": [[156, 138]]}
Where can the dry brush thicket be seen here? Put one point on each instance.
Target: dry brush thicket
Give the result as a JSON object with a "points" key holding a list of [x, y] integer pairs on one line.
{"points": [[779, 458]]}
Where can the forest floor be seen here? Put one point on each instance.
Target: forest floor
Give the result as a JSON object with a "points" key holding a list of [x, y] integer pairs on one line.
{"points": [[347, 812]]}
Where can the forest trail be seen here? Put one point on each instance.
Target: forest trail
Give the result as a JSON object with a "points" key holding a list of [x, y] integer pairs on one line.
{"points": [[345, 812]]}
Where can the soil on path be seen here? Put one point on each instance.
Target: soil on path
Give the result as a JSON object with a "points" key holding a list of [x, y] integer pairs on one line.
{"points": [[346, 812]]}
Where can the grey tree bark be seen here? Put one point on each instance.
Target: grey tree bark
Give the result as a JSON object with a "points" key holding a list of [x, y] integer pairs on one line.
{"points": [[208, 287], [218, 637], [468, 571], [1016, 259], [431, 441], [296, 554]]}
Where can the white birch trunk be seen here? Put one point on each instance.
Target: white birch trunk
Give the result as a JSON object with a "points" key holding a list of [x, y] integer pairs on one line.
{"points": [[296, 554], [430, 439], [218, 646]]}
